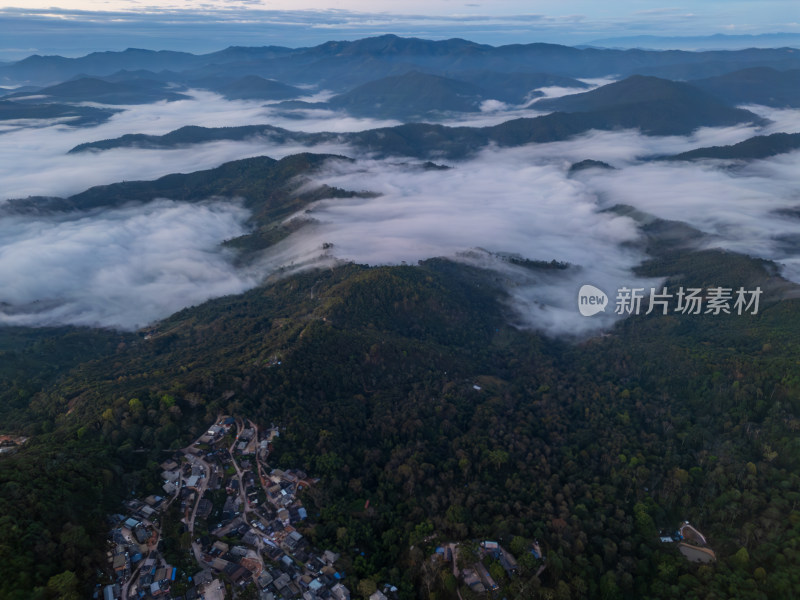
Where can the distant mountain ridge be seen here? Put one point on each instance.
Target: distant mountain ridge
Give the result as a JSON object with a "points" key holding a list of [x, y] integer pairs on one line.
{"points": [[756, 85], [91, 89], [761, 146], [673, 107], [340, 65], [654, 111], [76, 115], [718, 41], [409, 95]]}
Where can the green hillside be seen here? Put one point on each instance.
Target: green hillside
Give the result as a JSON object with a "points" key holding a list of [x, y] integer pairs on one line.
{"points": [[589, 447], [757, 85], [760, 146]]}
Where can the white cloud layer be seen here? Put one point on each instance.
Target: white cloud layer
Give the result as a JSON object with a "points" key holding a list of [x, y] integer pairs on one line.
{"points": [[121, 268], [127, 267], [34, 161]]}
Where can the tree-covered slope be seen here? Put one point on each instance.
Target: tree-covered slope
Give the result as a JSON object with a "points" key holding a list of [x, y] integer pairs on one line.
{"points": [[92, 89], [410, 95], [72, 115], [590, 447], [660, 106], [757, 85], [760, 146]]}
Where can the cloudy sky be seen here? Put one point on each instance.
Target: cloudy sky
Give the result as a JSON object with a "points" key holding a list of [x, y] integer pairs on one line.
{"points": [[72, 28]]}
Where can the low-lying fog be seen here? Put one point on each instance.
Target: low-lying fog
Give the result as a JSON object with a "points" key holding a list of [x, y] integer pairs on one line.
{"points": [[129, 266]]}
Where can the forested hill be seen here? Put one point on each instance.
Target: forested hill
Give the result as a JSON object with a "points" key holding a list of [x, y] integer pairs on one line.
{"points": [[268, 186], [654, 106], [761, 146], [589, 447]]}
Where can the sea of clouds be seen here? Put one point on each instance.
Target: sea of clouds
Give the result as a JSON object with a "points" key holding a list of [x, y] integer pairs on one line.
{"points": [[130, 266]]}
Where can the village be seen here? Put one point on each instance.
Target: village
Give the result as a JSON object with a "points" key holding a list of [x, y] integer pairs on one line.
{"points": [[238, 524], [222, 478]]}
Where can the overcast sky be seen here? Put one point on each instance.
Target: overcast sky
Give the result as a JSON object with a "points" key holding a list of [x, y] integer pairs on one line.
{"points": [[72, 28]]}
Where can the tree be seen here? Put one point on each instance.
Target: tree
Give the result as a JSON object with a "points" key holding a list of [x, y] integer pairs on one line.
{"points": [[741, 558], [64, 586], [367, 587], [498, 458]]}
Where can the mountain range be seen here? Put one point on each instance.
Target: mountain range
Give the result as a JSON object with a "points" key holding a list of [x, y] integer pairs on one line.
{"points": [[655, 106], [343, 65]]}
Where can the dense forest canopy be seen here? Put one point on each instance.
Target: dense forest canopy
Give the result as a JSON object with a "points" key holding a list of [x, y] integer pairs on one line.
{"points": [[589, 447]]}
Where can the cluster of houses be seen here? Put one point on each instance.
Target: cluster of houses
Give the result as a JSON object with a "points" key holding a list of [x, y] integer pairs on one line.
{"points": [[477, 576], [245, 518], [132, 550]]}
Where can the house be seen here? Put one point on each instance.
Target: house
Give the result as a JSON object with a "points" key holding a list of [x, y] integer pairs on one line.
{"points": [[473, 581], [169, 465], [264, 579], [141, 534], [112, 592], [282, 581], [204, 508], [339, 592], [240, 575], [119, 563], [294, 540], [330, 557], [219, 564], [507, 561], [378, 595], [486, 579], [536, 550]]}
